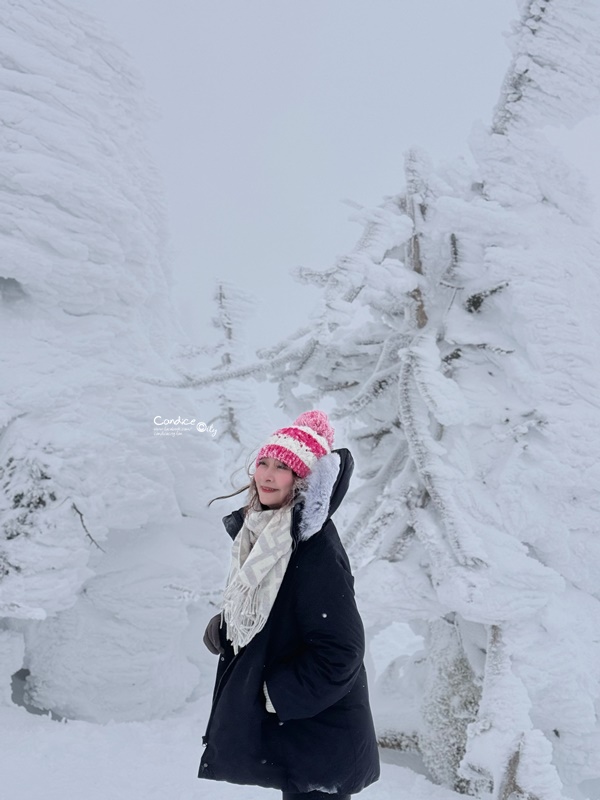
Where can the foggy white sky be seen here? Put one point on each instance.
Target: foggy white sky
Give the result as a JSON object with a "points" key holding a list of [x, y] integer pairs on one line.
{"points": [[274, 111]]}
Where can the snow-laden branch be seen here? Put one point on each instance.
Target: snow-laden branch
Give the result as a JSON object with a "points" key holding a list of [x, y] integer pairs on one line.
{"points": [[553, 77]]}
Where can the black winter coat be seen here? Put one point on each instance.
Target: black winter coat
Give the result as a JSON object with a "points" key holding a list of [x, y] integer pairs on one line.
{"points": [[310, 653]]}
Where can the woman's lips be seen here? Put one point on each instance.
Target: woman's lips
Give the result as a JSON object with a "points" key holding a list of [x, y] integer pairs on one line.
{"points": [[266, 489]]}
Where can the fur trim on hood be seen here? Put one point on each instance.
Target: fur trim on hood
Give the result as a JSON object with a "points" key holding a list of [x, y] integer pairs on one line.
{"points": [[317, 495]]}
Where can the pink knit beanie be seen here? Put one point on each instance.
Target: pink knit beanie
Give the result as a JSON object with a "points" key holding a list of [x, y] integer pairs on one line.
{"points": [[307, 439]]}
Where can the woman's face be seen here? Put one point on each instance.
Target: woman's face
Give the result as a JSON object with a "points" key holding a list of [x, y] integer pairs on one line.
{"points": [[274, 481]]}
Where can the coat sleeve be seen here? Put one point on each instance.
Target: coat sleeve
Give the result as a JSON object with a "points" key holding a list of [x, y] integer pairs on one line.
{"points": [[333, 639]]}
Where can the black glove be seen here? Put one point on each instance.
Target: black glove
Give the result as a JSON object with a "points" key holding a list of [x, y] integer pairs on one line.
{"points": [[211, 636]]}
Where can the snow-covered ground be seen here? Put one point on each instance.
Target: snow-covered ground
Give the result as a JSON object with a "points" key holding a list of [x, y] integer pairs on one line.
{"points": [[44, 759]]}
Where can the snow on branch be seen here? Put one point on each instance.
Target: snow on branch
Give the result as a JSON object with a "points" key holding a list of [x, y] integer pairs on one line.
{"points": [[554, 77]]}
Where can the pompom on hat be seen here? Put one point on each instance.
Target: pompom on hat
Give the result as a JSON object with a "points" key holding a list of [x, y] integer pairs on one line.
{"points": [[302, 444]]}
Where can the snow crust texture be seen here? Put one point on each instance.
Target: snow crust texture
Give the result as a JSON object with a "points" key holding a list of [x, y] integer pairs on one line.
{"points": [[103, 573]]}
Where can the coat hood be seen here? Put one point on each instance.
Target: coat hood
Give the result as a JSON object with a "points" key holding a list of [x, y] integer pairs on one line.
{"points": [[326, 487]]}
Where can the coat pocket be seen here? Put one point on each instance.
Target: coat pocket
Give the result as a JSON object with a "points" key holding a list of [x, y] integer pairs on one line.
{"points": [[272, 748], [270, 767]]}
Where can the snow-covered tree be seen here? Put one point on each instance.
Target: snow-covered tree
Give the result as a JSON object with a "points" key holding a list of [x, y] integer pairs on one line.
{"points": [[240, 412], [237, 410], [233, 310], [459, 341], [105, 546]]}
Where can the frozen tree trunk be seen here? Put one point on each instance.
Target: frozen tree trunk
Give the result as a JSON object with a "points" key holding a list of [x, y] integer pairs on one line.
{"points": [[451, 696]]}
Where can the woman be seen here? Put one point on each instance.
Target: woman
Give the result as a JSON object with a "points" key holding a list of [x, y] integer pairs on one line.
{"points": [[290, 706]]}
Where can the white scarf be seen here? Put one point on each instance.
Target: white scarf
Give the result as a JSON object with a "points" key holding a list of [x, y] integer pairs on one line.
{"points": [[259, 557]]}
